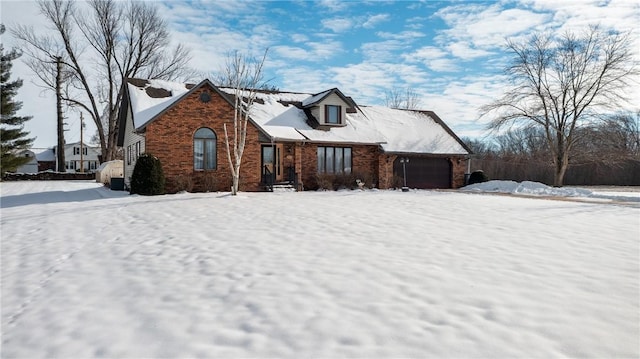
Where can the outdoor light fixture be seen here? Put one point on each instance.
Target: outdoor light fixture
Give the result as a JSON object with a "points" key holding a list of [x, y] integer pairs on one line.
{"points": [[404, 162]]}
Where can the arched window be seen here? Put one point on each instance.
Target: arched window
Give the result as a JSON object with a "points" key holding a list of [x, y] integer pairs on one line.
{"points": [[204, 149]]}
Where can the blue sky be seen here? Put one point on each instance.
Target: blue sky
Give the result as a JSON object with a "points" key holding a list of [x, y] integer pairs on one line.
{"points": [[449, 52]]}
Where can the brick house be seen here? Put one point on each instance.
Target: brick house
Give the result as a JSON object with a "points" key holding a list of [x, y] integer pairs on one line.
{"points": [[293, 138]]}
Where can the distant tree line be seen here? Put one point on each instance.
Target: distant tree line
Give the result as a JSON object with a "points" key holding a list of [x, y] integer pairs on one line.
{"points": [[608, 153], [558, 87]]}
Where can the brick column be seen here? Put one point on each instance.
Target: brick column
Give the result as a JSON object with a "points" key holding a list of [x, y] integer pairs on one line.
{"points": [[297, 164], [385, 170]]}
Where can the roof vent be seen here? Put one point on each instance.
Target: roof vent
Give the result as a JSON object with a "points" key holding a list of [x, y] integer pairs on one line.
{"points": [[205, 97]]}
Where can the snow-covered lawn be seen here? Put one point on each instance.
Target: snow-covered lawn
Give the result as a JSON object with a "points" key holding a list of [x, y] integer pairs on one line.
{"points": [[87, 272]]}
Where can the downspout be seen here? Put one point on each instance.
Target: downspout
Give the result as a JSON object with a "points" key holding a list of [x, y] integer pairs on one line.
{"points": [[276, 161], [300, 183], [468, 172]]}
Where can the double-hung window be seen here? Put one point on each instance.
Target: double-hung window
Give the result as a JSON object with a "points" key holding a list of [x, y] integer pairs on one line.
{"points": [[333, 114], [334, 159], [204, 149]]}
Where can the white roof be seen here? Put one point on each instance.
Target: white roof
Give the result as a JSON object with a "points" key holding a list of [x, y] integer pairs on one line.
{"points": [[411, 131], [279, 120], [278, 116], [315, 98], [145, 107]]}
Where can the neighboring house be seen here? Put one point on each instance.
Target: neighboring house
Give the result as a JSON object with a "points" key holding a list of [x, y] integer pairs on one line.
{"points": [[46, 159], [79, 157], [291, 137], [31, 166]]}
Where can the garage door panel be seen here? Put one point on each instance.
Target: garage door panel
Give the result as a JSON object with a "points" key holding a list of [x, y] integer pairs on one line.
{"points": [[425, 172]]}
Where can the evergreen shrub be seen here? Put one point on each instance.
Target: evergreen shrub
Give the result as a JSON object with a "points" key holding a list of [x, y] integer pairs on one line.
{"points": [[148, 178], [478, 177]]}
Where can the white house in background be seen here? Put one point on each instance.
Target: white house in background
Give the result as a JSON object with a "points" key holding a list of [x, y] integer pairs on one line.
{"points": [[31, 166], [74, 154]]}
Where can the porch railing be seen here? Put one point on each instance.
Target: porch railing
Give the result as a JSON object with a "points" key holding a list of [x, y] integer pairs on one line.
{"points": [[268, 178]]}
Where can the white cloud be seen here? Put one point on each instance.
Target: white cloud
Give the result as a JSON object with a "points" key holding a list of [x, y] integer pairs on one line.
{"points": [[464, 51], [374, 20], [622, 15], [404, 35], [337, 24], [417, 22], [326, 49], [291, 52], [305, 79], [433, 57], [442, 65], [486, 26], [313, 51], [299, 38], [333, 5], [383, 50], [458, 101], [429, 53]]}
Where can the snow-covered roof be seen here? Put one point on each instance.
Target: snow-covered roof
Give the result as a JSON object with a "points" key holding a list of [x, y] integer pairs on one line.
{"points": [[281, 115], [148, 100], [277, 114], [315, 98], [44, 154], [411, 131]]}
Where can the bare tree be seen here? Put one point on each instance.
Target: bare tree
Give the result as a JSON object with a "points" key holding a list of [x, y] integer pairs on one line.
{"points": [[99, 48], [244, 75], [227, 76], [406, 99], [560, 84]]}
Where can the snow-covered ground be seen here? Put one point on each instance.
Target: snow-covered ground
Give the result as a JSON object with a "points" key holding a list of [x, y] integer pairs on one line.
{"points": [[87, 272]]}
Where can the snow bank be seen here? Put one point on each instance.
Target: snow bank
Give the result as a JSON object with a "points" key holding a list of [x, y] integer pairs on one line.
{"points": [[540, 189]]}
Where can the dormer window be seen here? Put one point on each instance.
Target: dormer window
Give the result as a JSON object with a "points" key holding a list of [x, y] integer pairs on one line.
{"points": [[333, 114]]}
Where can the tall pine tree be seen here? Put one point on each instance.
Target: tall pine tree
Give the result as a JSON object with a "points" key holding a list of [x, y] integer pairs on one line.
{"points": [[13, 138]]}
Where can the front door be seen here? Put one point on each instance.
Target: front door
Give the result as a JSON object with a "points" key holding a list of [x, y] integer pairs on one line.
{"points": [[272, 162]]}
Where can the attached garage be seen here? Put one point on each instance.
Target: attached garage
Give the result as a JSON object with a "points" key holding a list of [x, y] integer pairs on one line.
{"points": [[424, 172]]}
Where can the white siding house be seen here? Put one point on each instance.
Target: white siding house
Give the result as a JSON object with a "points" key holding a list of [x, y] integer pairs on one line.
{"points": [[74, 153]]}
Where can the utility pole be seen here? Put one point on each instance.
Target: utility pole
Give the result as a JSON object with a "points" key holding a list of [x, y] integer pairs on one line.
{"points": [[81, 143], [60, 154]]}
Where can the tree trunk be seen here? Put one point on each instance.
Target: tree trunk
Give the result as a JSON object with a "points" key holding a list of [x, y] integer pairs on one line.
{"points": [[561, 164], [236, 181]]}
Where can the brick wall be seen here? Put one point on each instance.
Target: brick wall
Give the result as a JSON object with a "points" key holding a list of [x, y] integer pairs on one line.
{"points": [[364, 159], [170, 138]]}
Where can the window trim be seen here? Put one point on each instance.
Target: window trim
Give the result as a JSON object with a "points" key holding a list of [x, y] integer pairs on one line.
{"points": [[326, 115], [205, 140], [345, 168]]}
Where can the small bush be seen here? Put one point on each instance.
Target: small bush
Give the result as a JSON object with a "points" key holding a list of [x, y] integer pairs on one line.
{"points": [[478, 177], [147, 178], [183, 182], [324, 182], [209, 183], [336, 181]]}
